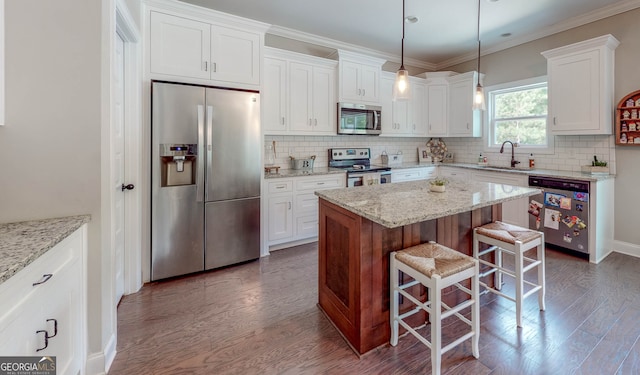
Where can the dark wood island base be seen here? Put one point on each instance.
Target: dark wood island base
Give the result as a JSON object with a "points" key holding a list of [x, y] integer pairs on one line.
{"points": [[353, 285]]}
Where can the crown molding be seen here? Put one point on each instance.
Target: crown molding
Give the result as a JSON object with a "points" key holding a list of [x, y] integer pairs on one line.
{"points": [[199, 13], [570, 23], [340, 45]]}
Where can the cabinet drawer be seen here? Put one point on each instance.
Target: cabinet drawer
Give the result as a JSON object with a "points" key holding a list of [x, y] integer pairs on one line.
{"points": [[283, 186], [54, 262], [453, 173], [405, 175], [307, 202], [320, 184], [307, 226]]}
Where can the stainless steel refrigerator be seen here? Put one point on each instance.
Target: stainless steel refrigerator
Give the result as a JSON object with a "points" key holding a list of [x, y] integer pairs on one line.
{"points": [[205, 152]]}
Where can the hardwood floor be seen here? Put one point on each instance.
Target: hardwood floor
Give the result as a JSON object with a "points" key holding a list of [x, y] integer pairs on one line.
{"points": [[261, 318]]}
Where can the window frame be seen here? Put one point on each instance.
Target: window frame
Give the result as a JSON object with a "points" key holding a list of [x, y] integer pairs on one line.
{"points": [[549, 148]]}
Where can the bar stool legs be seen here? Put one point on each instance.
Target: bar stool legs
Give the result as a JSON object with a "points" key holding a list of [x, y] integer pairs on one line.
{"points": [[436, 267], [511, 239]]}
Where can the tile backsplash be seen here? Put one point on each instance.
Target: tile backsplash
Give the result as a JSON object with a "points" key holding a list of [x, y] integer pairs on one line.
{"points": [[571, 152]]}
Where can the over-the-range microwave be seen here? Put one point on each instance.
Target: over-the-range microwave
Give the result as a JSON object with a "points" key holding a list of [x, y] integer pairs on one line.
{"points": [[359, 119]]}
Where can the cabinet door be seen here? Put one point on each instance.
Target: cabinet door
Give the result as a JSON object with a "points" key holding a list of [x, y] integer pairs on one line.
{"points": [[274, 95], [280, 217], [437, 112], [417, 107], [300, 96], [574, 90], [235, 55], [395, 115], [460, 109], [370, 83], [386, 102], [324, 101], [349, 81], [180, 46]]}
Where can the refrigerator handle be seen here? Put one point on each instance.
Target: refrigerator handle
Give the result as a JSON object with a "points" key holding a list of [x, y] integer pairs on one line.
{"points": [[209, 145], [199, 163]]}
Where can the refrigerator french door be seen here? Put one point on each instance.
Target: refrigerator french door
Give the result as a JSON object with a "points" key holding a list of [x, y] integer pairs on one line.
{"points": [[205, 209]]}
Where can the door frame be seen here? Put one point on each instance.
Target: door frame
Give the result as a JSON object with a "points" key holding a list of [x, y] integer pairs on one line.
{"points": [[128, 30]]}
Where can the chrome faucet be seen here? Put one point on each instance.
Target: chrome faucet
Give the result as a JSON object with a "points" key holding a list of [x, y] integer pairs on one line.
{"points": [[513, 159]]}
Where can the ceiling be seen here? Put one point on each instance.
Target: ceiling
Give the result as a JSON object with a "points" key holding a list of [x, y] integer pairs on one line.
{"points": [[444, 35]]}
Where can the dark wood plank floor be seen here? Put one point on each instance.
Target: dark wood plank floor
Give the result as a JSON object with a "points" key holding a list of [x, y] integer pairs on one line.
{"points": [[261, 318]]}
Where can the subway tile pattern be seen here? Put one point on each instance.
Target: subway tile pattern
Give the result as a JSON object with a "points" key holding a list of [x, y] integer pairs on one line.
{"points": [[23, 242], [569, 154]]}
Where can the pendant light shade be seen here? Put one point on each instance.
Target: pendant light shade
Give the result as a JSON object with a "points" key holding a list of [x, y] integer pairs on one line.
{"points": [[401, 88], [478, 97]]}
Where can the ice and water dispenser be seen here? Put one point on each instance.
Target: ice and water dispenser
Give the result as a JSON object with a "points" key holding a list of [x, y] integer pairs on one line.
{"points": [[178, 164]]}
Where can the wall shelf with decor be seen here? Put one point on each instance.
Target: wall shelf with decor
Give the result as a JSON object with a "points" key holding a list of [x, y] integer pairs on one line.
{"points": [[628, 120]]}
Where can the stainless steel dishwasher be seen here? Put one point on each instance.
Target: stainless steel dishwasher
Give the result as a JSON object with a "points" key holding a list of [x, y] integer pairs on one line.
{"points": [[561, 212]]}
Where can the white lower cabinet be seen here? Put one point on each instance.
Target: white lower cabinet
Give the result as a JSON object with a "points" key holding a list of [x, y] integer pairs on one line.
{"points": [[453, 172], [515, 211], [43, 311], [292, 209], [412, 174]]}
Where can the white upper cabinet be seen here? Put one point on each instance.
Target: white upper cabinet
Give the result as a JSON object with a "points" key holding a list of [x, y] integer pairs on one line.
{"points": [[312, 98], [298, 94], [580, 79], [209, 51], [418, 124], [359, 80], [403, 118], [274, 95], [437, 109], [463, 120], [235, 55], [180, 46]]}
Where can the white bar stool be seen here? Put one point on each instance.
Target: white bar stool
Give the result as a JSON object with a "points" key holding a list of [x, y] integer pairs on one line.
{"points": [[515, 240], [436, 267]]}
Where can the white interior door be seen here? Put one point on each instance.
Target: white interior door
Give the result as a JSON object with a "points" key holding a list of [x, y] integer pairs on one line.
{"points": [[118, 155]]}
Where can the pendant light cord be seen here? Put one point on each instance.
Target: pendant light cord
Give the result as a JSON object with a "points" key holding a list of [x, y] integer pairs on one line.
{"points": [[478, 34], [402, 50]]}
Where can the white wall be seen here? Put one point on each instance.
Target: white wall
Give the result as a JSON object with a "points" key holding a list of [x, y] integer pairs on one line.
{"points": [[525, 61], [50, 146]]}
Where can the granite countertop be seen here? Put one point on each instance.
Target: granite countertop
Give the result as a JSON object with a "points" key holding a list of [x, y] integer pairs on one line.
{"points": [[534, 172], [287, 173], [23, 242], [396, 205]]}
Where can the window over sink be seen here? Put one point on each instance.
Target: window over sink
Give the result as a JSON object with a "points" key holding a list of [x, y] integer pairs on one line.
{"points": [[517, 112]]}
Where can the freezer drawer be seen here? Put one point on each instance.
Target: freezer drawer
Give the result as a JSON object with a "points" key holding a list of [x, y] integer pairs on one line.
{"points": [[232, 232], [177, 236]]}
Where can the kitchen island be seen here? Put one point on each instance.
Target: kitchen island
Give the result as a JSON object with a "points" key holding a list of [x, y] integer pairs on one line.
{"points": [[359, 227]]}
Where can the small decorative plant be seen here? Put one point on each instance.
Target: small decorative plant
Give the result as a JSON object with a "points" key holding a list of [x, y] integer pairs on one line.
{"points": [[438, 184], [598, 163], [438, 181]]}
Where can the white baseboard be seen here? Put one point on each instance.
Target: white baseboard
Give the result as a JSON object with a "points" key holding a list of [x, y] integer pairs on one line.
{"points": [[626, 248], [95, 364], [99, 363]]}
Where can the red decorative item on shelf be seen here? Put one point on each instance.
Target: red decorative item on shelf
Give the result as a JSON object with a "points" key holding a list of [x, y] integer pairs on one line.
{"points": [[627, 120]]}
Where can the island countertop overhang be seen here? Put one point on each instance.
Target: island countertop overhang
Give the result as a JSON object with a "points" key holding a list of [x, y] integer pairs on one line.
{"points": [[399, 204]]}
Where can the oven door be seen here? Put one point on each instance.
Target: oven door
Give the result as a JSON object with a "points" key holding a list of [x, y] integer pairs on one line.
{"points": [[367, 178]]}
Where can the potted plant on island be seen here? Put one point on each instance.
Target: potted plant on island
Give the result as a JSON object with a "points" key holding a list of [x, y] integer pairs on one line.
{"points": [[438, 185]]}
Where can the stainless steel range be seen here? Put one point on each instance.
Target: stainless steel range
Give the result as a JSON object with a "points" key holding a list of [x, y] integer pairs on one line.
{"points": [[357, 163]]}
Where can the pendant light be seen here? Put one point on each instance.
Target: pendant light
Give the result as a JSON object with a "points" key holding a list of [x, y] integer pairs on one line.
{"points": [[478, 97], [401, 89]]}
